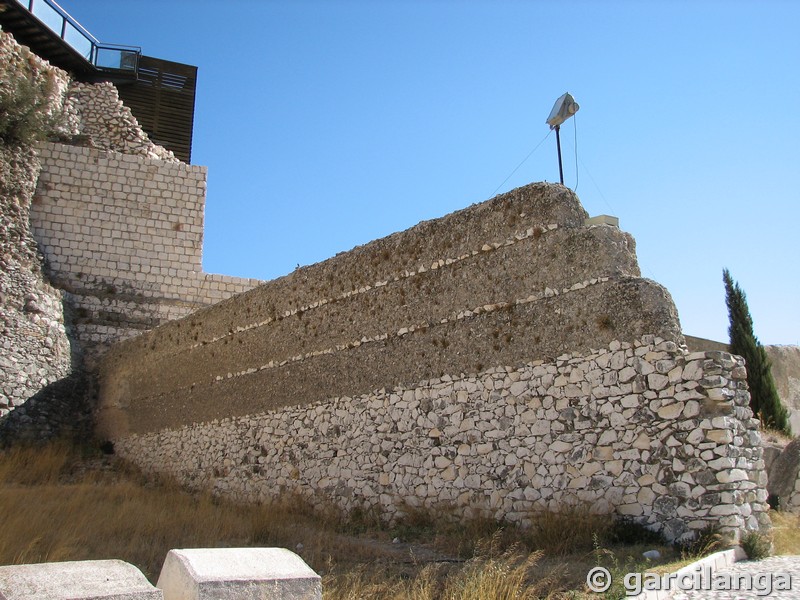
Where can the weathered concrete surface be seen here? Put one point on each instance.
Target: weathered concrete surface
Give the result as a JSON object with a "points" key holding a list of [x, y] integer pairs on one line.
{"points": [[79, 580], [151, 392], [238, 574], [516, 278]]}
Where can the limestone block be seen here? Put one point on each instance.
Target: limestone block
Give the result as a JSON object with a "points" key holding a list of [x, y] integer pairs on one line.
{"points": [[78, 580], [671, 411], [237, 574]]}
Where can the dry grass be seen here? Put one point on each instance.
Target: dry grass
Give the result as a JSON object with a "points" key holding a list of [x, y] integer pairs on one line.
{"points": [[62, 503], [36, 466], [775, 436], [785, 533], [53, 510], [514, 574]]}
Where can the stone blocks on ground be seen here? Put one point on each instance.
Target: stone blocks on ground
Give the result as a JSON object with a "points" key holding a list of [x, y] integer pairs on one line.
{"points": [[79, 580], [238, 574]]}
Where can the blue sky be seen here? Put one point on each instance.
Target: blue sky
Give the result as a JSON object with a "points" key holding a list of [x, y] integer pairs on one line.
{"points": [[327, 124]]}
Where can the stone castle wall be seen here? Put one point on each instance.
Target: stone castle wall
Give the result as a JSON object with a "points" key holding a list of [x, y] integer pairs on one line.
{"points": [[504, 358], [516, 278], [644, 429], [455, 363], [116, 219], [122, 236]]}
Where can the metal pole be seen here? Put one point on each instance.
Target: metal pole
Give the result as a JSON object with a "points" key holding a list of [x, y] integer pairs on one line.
{"points": [[558, 143]]}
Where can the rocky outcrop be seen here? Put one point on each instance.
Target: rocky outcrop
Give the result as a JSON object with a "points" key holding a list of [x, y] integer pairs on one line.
{"points": [[786, 372], [104, 122], [35, 349], [783, 471]]}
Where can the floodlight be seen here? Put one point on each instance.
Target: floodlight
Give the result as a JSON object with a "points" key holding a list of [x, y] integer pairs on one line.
{"points": [[563, 109]]}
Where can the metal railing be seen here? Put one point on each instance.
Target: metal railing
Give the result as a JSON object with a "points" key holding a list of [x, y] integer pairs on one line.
{"points": [[105, 57]]}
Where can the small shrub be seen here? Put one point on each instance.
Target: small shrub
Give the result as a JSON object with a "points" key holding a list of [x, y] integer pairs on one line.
{"points": [[626, 531], [26, 116], [756, 545], [617, 569], [604, 322], [707, 541]]}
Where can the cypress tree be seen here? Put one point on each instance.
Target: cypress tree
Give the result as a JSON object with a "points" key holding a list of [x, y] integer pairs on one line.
{"points": [[764, 399]]}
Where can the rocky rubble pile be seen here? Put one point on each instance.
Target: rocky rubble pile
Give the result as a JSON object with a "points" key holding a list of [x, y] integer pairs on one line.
{"points": [[106, 123], [35, 348]]}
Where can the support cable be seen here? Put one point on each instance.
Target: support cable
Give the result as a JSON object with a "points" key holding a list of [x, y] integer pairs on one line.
{"points": [[522, 163]]}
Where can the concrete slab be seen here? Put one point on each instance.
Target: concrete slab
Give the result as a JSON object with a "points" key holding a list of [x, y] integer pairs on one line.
{"points": [[78, 580], [237, 574]]}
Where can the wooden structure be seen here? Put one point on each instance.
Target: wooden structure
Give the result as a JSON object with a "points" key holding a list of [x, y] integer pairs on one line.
{"points": [[162, 99], [159, 93]]}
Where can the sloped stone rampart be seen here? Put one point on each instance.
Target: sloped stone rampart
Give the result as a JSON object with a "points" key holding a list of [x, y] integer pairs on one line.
{"points": [[643, 429], [145, 391], [516, 278], [524, 216]]}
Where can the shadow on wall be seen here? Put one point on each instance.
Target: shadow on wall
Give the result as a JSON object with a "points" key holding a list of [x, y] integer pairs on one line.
{"points": [[61, 409]]}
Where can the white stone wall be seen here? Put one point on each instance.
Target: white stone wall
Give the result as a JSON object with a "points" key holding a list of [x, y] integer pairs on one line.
{"points": [[117, 213], [647, 430], [122, 235]]}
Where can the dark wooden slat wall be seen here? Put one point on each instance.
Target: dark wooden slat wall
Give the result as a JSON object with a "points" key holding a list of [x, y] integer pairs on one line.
{"points": [[162, 100]]}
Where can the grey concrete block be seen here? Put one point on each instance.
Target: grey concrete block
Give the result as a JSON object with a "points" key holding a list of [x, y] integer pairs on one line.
{"points": [[238, 574], [79, 580]]}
